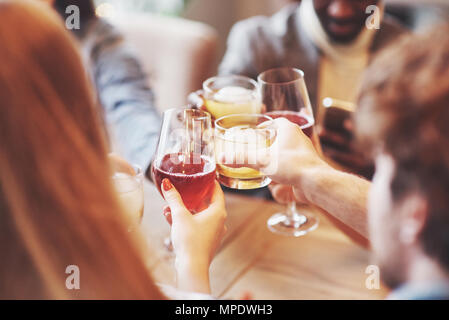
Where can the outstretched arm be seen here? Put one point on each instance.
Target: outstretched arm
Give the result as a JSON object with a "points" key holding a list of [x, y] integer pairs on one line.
{"points": [[293, 161], [342, 195]]}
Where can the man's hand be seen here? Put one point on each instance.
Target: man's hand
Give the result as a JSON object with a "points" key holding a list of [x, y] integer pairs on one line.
{"points": [[285, 194], [338, 146], [291, 154], [314, 181]]}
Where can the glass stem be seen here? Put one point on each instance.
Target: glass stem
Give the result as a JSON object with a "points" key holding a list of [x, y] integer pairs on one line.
{"points": [[291, 211], [295, 219]]}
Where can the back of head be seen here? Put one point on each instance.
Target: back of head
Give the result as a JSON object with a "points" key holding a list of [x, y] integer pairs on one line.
{"points": [[57, 206], [404, 112]]}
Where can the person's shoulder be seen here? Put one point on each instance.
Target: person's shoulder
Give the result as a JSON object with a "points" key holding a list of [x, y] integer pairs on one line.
{"points": [[276, 25], [100, 30], [100, 36], [390, 30], [392, 25]]}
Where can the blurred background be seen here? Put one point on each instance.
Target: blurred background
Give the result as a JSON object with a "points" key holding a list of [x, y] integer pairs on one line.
{"points": [[219, 14], [173, 35]]}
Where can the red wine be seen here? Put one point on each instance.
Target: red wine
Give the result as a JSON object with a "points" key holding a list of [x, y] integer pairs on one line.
{"points": [[303, 122], [191, 174]]}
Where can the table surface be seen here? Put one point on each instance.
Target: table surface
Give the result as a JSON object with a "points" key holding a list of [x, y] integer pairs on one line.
{"points": [[324, 264]]}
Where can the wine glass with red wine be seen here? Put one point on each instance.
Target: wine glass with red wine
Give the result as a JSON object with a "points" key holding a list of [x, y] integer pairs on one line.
{"points": [[284, 94], [185, 156]]}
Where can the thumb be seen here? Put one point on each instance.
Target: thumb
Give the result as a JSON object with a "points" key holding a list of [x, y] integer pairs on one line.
{"points": [[173, 198]]}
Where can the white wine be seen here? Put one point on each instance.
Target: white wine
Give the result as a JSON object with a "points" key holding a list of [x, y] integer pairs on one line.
{"points": [[130, 194]]}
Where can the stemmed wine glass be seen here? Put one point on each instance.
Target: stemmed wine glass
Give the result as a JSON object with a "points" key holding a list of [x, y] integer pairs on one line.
{"points": [[284, 94], [185, 156]]}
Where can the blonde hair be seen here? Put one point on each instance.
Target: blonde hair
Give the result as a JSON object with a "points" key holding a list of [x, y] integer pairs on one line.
{"points": [[57, 205]]}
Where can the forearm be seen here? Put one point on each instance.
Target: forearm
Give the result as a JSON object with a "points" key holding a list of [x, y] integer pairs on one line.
{"points": [[342, 195], [192, 276]]}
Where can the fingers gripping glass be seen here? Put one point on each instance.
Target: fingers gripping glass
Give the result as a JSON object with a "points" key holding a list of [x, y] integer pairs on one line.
{"points": [[185, 156]]}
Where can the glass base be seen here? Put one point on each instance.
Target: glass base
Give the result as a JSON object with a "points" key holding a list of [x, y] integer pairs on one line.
{"points": [[243, 184], [299, 225]]}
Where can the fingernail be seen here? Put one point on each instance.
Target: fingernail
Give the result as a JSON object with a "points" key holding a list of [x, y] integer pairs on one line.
{"points": [[166, 184]]}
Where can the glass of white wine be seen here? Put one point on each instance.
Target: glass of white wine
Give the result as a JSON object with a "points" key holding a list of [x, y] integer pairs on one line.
{"points": [[127, 180], [227, 95]]}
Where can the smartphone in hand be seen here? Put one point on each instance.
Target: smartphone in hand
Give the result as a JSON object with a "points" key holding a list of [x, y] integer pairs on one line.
{"points": [[337, 137], [338, 116]]}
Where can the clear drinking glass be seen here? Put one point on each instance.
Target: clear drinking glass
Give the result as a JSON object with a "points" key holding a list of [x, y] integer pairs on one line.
{"points": [[241, 138], [128, 182], [226, 95], [185, 156], [284, 94]]}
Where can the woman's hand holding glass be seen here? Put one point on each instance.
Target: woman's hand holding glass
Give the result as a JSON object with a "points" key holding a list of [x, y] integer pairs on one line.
{"points": [[195, 237]]}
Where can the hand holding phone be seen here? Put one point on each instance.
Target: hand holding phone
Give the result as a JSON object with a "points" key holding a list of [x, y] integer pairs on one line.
{"points": [[337, 137]]}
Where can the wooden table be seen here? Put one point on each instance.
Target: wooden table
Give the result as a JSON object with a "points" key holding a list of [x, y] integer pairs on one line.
{"points": [[324, 264]]}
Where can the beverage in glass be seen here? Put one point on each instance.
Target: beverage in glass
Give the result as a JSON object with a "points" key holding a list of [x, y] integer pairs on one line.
{"points": [[194, 180], [303, 121], [185, 156], [127, 180], [240, 139], [227, 95]]}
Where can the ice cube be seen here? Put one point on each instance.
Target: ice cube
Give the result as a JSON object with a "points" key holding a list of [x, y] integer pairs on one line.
{"points": [[233, 94]]}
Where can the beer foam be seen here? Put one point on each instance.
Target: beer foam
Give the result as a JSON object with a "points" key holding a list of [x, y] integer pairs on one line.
{"points": [[233, 94]]}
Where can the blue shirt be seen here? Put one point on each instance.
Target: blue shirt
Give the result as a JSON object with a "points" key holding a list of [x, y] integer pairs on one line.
{"points": [[123, 91]]}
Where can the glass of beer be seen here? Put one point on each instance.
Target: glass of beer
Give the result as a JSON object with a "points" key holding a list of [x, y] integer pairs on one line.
{"points": [[128, 183], [243, 139], [227, 95]]}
